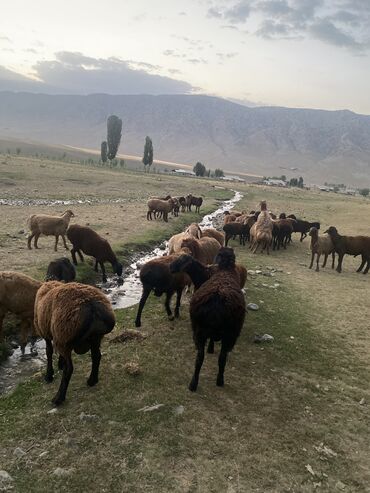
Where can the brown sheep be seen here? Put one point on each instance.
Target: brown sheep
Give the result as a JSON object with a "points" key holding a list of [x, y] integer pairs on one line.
{"points": [[261, 231], [162, 206], [17, 295], [43, 224], [214, 233], [174, 243], [72, 317], [321, 245], [204, 250], [350, 245]]}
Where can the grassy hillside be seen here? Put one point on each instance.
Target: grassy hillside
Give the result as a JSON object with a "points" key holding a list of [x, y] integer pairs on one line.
{"points": [[293, 415]]}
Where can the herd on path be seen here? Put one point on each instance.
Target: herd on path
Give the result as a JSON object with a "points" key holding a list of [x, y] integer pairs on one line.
{"points": [[73, 316]]}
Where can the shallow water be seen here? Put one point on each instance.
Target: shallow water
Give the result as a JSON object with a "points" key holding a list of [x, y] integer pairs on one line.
{"points": [[18, 368]]}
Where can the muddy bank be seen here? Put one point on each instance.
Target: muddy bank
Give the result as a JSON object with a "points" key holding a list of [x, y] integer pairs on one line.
{"points": [[18, 368]]}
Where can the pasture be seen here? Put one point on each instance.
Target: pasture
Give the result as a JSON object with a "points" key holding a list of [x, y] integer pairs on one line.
{"points": [[294, 413]]}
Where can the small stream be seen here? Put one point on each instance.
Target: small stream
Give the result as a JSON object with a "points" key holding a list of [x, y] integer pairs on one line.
{"points": [[18, 368]]}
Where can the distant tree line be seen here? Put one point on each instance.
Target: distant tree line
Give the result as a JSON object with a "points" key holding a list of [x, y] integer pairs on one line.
{"points": [[200, 170]]}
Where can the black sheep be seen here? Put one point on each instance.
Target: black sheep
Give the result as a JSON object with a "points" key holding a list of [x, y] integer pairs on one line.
{"points": [[217, 312], [155, 276], [303, 227], [61, 269]]}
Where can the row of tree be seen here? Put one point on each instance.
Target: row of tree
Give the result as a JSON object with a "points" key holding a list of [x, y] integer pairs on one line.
{"points": [[200, 170]]}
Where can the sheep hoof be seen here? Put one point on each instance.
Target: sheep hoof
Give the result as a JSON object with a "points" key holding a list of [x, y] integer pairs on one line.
{"points": [[171, 318], [193, 386], [57, 401], [48, 378], [317, 270], [137, 323], [220, 381], [91, 381]]}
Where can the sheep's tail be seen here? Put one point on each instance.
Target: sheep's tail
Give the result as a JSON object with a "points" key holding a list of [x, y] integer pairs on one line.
{"points": [[97, 320]]}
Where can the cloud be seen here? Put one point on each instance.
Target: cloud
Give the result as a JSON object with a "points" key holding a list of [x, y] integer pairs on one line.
{"points": [[196, 61], [340, 23], [226, 56], [76, 73], [5, 39]]}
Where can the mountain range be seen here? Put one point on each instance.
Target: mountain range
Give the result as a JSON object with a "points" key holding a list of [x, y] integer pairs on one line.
{"points": [[332, 146]]}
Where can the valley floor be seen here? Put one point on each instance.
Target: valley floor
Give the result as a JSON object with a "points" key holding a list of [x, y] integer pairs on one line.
{"points": [[293, 415]]}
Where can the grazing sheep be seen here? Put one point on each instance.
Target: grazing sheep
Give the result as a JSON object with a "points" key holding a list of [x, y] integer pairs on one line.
{"points": [[162, 206], [43, 224], [321, 245], [261, 231], [61, 269], [86, 240], [214, 233], [72, 317], [155, 276], [217, 312], [17, 295], [174, 243], [204, 250], [197, 201], [350, 245]]}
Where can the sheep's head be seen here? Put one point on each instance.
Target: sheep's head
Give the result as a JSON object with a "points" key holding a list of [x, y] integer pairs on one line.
{"points": [[263, 205], [189, 244], [194, 230], [68, 213], [313, 232], [181, 263], [118, 268], [225, 258], [332, 231], [282, 215]]}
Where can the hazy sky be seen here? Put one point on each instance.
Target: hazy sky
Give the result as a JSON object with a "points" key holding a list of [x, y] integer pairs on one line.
{"points": [[297, 53]]}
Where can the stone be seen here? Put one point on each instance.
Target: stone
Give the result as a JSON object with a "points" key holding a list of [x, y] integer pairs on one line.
{"points": [[87, 417], [179, 410], [62, 472], [263, 338], [253, 306], [5, 477], [19, 452]]}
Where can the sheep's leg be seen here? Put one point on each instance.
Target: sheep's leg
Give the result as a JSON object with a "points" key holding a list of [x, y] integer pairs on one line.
{"points": [[333, 260], [49, 368], [67, 373], [325, 259], [64, 242], [96, 266], [317, 262], [303, 236], [211, 346], [80, 255], [363, 262], [24, 327], [221, 366], [103, 271], [95, 362], [73, 253], [37, 236], [367, 266], [2, 315], [167, 305], [56, 242], [60, 362], [312, 259], [198, 365], [178, 302], [165, 217], [227, 238], [144, 297], [340, 260], [29, 239]]}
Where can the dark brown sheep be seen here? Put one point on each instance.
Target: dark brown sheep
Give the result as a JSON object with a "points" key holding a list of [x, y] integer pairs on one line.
{"points": [[350, 245], [72, 317], [217, 312], [61, 269], [197, 201], [86, 240]]}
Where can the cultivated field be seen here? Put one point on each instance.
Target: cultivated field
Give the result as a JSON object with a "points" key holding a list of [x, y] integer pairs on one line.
{"points": [[293, 415]]}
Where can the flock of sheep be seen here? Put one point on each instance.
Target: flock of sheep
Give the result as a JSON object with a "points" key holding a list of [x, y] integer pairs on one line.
{"points": [[72, 316]]}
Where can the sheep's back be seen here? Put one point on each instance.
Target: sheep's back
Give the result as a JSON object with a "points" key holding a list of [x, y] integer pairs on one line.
{"points": [[18, 292]]}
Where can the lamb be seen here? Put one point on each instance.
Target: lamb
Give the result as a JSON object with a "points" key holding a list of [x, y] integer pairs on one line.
{"points": [[188, 199], [17, 295], [204, 250], [213, 233], [86, 240], [43, 224], [155, 276], [174, 243], [72, 317], [157, 205], [351, 245], [217, 312], [197, 201], [61, 269], [261, 231], [321, 245], [182, 202]]}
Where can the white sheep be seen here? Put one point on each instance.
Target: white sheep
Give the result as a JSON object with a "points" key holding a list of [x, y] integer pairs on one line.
{"points": [[43, 224], [17, 295]]}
